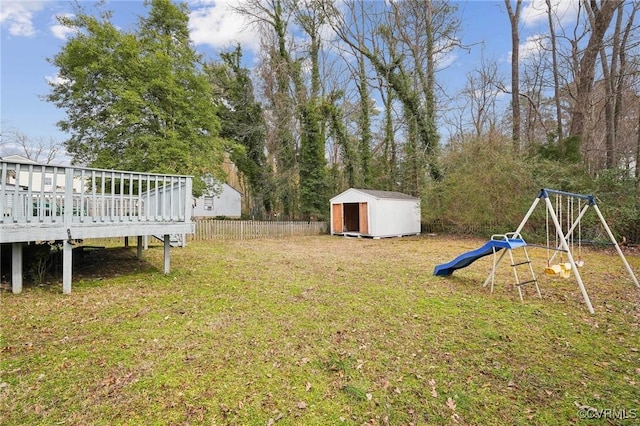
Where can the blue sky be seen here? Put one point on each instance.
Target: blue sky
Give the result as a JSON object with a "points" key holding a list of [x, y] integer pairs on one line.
{"points": [[29, 34]]}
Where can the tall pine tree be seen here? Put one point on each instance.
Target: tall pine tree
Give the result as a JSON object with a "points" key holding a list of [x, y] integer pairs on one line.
{"points": [[242, 121]]}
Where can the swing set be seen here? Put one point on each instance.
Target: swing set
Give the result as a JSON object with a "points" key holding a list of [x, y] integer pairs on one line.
{"points": [[563, 217]]}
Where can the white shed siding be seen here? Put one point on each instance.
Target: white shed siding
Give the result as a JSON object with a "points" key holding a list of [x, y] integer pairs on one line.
{"points": [[394, 217]]}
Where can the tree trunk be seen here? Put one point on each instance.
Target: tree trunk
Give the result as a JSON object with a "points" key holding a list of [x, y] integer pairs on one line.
{"points": [[585, 74], [514, 18], [364, 123], [556, 75]]}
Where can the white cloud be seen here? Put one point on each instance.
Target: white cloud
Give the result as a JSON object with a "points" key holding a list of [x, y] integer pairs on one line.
{"points": [[445, 55], [56, 80], [445, 60], [535, 12], [533, 45], [18, 16], [215, 24], [61, 31], [197, 3]]}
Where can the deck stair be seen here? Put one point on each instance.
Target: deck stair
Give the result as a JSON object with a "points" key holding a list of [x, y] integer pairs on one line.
{"points": [[175, 240]]}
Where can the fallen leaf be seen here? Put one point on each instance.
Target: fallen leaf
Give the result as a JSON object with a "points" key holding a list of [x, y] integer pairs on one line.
{"points": [[303, 361], [434, 392], [451, 404]]}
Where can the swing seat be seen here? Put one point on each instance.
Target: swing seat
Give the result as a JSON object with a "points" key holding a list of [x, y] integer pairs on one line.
{"points": [[553, 270], [580, 263], [564, 269]]}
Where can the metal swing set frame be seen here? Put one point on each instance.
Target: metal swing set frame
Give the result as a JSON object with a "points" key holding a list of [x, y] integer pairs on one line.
{"points": [[564, 239]]}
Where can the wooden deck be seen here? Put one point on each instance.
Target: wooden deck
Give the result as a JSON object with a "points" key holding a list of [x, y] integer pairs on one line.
{"points": [[57, 203]]}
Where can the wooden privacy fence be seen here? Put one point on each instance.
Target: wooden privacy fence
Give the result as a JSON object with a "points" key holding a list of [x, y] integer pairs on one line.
{"points": [[207, 229]]}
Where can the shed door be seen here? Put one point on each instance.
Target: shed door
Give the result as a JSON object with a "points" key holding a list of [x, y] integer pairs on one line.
{"points": [[337, 217], [364, 219]]}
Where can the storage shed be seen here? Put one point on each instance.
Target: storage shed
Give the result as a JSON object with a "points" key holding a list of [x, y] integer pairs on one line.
{"points": [[375, 214]]}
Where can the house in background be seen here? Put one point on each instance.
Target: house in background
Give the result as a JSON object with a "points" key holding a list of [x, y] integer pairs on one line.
{"points": [[375, 214], [43, 177], [224, 200]]}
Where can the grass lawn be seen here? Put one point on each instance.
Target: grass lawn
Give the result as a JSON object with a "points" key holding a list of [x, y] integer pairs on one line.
{"points": [[320, 331]]}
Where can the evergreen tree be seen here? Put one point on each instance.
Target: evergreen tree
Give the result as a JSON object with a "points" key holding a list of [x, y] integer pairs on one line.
{"points": [[242, 121], [314, 200], [137, 100]]}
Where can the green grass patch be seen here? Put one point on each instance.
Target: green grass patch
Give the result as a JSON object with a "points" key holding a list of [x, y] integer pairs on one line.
{"points": [[315, 331]]}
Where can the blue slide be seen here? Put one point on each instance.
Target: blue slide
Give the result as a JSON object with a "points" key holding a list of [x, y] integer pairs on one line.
{"points": [[468, 258]]}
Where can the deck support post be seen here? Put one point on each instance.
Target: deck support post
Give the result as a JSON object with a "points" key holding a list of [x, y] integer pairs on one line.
{"points": [[167, 253], [139, 247], [16, 268], [67, 266]]}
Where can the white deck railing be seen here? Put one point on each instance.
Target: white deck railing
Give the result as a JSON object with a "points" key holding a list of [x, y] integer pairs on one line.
{"points": [[33, 194]]}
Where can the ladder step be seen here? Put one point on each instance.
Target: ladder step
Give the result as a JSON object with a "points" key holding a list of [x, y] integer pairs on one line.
{"points": [[526, 282], [521, 263]]}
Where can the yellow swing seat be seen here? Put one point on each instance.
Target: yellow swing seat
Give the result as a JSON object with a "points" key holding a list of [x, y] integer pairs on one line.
{"points": [[565, 270], [553, 270]]}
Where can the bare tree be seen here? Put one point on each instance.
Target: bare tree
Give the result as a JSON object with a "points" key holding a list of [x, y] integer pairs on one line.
{"points": [[637, 160], [514, 19], [534, 78], [615, 72], [555, 71], [403, 48], [601, 14], [40, 150], [355, 96], [481, 93]]}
